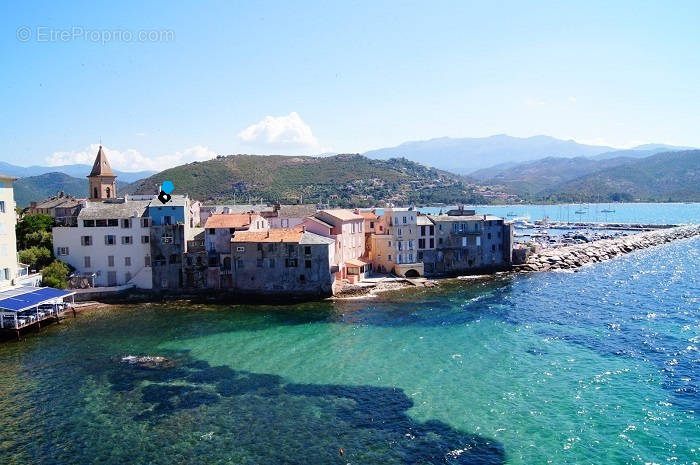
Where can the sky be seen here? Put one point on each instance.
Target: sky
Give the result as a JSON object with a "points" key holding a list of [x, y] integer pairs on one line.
{"points": [[164, 83]]}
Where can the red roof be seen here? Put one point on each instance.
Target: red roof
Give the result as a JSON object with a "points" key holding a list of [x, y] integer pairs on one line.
{"points": [[272, 235], [230, 220]]}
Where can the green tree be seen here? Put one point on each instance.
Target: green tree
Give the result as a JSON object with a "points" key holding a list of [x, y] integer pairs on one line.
{"points": [[39, 239], [32, 224], [35, 257], [56, 275]]}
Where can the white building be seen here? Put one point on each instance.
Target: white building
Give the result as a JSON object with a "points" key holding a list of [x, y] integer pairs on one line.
{"points": [[111, 244], [8, 240]]}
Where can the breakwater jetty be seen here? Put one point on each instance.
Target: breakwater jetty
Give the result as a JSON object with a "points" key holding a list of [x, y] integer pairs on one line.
{"points": [[574, 256]]}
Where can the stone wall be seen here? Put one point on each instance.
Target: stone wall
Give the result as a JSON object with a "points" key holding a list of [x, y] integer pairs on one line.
{"points": [[574, 256]]}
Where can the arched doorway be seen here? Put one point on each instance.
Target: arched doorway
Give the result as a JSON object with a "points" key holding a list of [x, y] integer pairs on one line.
{"points": [[107, 192], [94, 193], [412, 274]]}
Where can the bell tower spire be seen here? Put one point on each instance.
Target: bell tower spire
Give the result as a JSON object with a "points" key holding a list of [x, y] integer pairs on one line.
{"points": [[102, 180]]}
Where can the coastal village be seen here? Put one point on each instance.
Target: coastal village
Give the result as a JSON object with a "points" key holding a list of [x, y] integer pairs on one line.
{"points": [[172, 245], [116, 243]]}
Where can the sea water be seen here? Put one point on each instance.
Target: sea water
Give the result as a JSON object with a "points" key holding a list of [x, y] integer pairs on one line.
{"points": [[600, 366]]}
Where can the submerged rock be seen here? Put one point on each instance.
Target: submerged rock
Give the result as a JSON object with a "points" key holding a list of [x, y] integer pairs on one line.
{"points": [[147, 361]]}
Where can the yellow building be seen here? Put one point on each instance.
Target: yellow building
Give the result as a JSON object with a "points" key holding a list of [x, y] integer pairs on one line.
{"points": [[8, 240]]}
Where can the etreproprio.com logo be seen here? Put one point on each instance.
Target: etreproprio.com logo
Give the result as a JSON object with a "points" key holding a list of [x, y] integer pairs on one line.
{"points": [[96, 36]]}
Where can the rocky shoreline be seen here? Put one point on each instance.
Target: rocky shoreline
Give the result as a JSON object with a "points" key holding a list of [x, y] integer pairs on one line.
{"points": [[575, 256]]}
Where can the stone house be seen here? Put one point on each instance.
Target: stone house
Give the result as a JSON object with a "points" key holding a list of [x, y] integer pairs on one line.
{"points": [[219, 229], [283, 262], [468, 243]]}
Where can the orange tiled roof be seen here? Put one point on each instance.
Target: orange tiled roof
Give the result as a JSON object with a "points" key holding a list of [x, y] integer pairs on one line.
{"points": [[230, 220], [369, 215], [272, 235]]}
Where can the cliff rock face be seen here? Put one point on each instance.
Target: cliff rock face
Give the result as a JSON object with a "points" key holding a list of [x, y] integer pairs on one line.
{"points": [[580, 254]]}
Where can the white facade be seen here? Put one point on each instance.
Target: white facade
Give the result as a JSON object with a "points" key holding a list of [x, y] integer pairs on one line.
{"points": [[118, 252], [8, 239]]}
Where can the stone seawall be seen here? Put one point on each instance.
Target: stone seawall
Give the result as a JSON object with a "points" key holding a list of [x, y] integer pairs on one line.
{"points": [[574, 256]]}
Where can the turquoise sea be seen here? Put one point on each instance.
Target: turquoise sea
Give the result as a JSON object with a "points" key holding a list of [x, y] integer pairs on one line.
{"points": [[601, 366]]}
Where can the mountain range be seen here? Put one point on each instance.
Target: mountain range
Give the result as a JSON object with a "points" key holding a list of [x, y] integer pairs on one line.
{"points": [[667, 176], [466, 155], [76, 171]]}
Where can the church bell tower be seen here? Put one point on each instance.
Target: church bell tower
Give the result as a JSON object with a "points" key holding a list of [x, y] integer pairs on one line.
{"points": [[103, 184]]}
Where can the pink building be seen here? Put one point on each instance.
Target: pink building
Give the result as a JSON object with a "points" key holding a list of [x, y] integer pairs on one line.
{"points": [[347, 229]]}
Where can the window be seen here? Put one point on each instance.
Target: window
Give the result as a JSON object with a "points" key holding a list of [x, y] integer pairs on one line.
{"points": [[260, 246], [62, 251], [399, 232], [127, 277], [270, 247], [110, 239], [89, 223], [271, 263], [213, 261], [147, 260], [211, 231], [164, 282], [126, 223], [410, 258], [307, 250], [126, 240], [144, 222], [439, 227], [307, 264], [489, 235], [160, 260], [166, 238], [167, 220], [371, 225], [410, 245], [493, 247], [389, 244], [108, 192], [432, 243], [432, 230], [239, 264], [85, 240], [113, 222], [6, 274], [174, 259], [464, 242], [440, 240], [240, 249], [290, 262], [290, 250], [422, 230], [145, 239], [499, 234], [259, 263], [94, 193], [231, 230], [421, 243], [86, 262], [100, 223], [360, 225], [389, 257], [352, 227], [478, 241], [404, 220], [110, 260], [2, 206], [302, 278], [127, 261]]}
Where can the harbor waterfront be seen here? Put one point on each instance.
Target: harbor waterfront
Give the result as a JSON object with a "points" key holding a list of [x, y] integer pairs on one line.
{"points": [[598, 366]]}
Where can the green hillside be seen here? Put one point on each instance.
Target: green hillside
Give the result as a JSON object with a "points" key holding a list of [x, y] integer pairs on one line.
{"points": [[37, 188], [673, 176], [343, 180]]}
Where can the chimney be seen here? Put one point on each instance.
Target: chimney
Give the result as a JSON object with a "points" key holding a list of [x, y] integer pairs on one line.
{"points": [[267, 234], [303, 228]]}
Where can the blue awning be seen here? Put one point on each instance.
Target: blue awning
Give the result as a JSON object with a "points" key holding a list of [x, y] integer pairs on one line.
{"points": [[25, 297]]}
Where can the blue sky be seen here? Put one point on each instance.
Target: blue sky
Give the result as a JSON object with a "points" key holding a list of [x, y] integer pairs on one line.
{"points": [[306, 78]]}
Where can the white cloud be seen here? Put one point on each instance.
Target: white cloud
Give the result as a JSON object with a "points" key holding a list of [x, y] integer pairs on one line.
{"points": [[130, 159], [572, 99], [279, 132], [532, 102]]}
